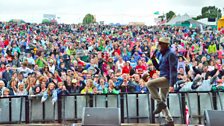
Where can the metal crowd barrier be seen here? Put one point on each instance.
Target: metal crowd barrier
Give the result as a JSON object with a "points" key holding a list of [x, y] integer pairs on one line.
{"points": [[135, 108]]}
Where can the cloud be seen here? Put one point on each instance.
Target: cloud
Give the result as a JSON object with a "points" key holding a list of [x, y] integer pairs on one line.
{"points": [[124, 11]]}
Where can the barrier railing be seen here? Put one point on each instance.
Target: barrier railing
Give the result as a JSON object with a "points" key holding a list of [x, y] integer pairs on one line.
{"points": [[134, 107]]}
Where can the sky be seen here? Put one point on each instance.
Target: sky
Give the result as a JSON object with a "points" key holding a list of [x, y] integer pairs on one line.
{"points": [[109, 11]]}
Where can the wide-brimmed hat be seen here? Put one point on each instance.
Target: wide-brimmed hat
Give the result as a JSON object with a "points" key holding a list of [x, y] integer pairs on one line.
{"points": [[165, 40], [85, 71]]}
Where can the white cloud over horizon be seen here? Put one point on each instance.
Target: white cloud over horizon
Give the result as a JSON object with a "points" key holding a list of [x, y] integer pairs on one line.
{"points": [[110, 11]]}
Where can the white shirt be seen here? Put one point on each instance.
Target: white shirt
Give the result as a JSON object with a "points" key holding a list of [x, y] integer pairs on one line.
{"points": [[25, 71], [31, 60], [120, 64], [51, 68]]}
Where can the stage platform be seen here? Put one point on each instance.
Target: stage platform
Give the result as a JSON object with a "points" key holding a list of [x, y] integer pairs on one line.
{"points": [[79, 124]]}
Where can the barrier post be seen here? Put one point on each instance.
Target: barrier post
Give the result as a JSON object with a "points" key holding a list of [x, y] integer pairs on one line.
{"points": [[10, 109], [183, 108], [137, 108], [152, 109], [59, 109], [122, 107], [27, 110], [199, 108], [75, 99], [126, 101], [214, 100], [91, 100]]}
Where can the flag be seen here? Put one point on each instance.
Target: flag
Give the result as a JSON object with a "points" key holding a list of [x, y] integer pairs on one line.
{"points": [[187, 115], [156, 13]]}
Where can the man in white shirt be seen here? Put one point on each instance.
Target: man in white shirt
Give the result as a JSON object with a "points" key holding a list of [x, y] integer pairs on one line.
{"points": [[24, 70], [120, 63], [51, 66]]}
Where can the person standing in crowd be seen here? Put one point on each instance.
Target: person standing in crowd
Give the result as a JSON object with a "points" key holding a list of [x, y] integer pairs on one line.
{"points": [[168, 77], [51, 91]]}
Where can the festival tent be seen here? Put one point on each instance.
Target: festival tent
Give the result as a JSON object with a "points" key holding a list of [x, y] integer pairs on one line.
{"points": [[189, 23], [184, 21], [178, 18], [221, 23]]}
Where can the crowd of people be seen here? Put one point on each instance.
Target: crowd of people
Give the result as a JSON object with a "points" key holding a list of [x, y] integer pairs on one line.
{"points": [[58, 59]]}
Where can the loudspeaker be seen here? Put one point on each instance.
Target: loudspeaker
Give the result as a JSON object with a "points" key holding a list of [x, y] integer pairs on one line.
{"points": [[213, 118], [101, 116]]}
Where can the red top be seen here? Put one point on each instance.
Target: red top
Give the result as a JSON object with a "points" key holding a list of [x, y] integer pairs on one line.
{"points": [[118, 51], [140, 69], [126, 69]]}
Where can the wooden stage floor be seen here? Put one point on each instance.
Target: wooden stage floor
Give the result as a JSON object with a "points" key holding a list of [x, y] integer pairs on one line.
{"points": [[79, 124]]}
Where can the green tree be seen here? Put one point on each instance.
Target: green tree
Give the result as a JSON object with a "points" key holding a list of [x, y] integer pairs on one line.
{"points": [[161, 17], [209, 12], [89, 18], [170, 15]]}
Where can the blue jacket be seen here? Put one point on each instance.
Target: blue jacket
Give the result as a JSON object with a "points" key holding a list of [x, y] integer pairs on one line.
{"points": [[54, 96], [168, 66], [139, 89]]}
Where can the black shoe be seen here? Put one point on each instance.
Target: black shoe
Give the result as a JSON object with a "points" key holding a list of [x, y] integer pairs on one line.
{"points": [[160, 107], [168, 124]]}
